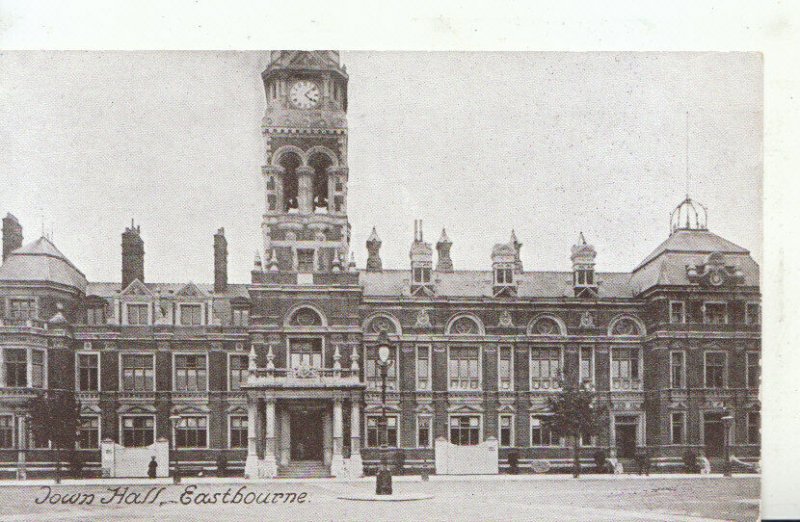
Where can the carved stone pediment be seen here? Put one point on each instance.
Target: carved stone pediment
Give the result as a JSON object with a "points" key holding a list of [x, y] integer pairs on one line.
{"points": [[714, 272]]}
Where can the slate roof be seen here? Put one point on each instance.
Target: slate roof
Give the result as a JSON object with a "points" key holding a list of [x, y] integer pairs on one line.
{"points": [[41, 261], [108, 289]]}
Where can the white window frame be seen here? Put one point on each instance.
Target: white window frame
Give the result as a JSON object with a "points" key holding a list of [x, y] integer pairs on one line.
{"points": [[173, 426], [428, 416], [416, 366], [513, 430], [78, 355], [747, 356], [230, 430], [508, 276], [611, 350], [137, 303], [228, 367], [672, 428], [123, 416], [290, 338], [99, 430], [45, 368], [683, 369], [724, 369], [175, 368], [683, 312], [581, 378], [548, 346], [480, 368], [480, 425], [747, 318], [36, 307], [121, 382], [423, 270], [510, 348], [705, 316], [378, 416], [559, 439], [180, 313]]}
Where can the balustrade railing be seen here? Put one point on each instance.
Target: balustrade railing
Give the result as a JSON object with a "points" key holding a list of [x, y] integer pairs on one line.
{"points": [[302, 376]]}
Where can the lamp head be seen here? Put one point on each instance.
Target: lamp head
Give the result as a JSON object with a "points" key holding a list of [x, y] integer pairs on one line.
{"points": [[383, 354]]}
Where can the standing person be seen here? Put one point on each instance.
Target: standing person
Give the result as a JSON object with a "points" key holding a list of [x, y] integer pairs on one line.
{"points": [[151, 468]]}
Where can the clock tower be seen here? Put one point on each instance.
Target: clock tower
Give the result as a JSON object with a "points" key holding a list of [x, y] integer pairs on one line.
{"points": [[305, 225]]}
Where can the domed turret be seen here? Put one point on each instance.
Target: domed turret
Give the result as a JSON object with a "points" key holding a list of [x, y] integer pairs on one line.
{"points": [[689, 215]]}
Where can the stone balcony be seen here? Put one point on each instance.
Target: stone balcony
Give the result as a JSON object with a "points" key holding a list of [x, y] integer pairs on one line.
{"points": [[303, 377]]}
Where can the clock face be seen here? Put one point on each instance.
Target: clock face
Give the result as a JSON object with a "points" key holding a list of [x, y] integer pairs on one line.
{"points": [[304, 94]]}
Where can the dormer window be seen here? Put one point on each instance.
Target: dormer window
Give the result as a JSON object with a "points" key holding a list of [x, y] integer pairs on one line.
{"points": [[422, 275], [504, 276], [191, 314], [584, 277], [96, 314], [138, 314], [241, 317]]}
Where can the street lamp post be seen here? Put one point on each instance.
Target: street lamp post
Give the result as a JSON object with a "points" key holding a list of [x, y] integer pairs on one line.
{"points": [[727, 420], [176, 475], [383, 483]]}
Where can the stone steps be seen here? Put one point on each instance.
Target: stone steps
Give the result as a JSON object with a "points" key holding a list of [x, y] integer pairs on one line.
{"points": [[304, 469]]}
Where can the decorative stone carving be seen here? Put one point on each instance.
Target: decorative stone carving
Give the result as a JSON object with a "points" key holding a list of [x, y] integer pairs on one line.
{"points": [[382, 324], [423, 319], [464, 326], [546, 326], [714, 272], [625, 326], [505, 320], [587, 320]]}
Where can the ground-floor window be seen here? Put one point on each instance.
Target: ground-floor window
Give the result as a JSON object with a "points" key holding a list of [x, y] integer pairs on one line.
{"points": [[138, 431], [677, 428], [238, 434], [424, 431], [541, 433], [89, 432], [753, 427], [191, 432], [465, 430], [6, 431], [506, 430], [374, 431]]}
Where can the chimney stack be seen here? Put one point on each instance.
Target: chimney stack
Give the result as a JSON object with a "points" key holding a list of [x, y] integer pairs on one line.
{"points": [[374, 263], [132, 256], [12, 235], [220, 261], [443, 261]]}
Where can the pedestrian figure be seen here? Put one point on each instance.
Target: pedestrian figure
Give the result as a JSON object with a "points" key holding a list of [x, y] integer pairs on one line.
{"points": [[151, 468]]}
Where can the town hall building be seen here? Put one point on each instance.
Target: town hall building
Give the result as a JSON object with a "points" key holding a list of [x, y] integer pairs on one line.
{"points": [[279, 374]]}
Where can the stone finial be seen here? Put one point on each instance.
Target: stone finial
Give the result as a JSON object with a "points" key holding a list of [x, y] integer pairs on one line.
{"points": [[336, 262], [351, 266], [374, 263], [582, 253], [270, 359], [272, 264], [337, 358], [444, 263], [257, 263], [517, 248], [354, 358], [251, 359]]}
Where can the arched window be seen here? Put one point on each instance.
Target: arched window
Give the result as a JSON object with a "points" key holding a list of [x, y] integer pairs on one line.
{"points": [[625, 326], [465, 325], [382, 323], [290, 162], [320, 163], [305, 316], [546, 325]]}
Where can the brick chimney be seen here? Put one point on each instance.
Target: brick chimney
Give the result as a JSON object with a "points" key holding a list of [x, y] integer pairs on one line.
{"points": [[374, 263], [12, 235], [132, 256], [443, 262], [220, 261]]}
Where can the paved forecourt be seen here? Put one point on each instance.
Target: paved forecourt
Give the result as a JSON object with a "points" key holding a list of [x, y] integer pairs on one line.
{"points": [[467, 499]]}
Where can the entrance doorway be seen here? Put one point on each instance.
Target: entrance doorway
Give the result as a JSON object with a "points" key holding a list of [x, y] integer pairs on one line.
{"points": [[713, 434], [306, 430], [625, 433]]}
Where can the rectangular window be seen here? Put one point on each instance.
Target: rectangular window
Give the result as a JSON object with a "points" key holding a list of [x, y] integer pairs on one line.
{"points": [[22, 309], [96, 315], [545, 368], [715, 363], [677, 312], [586, 376], [138, 314], [422, 275], [89, 372], [138, 431], [16, 367], [677, 422], [305, 261], [374, 432], [237, 373], [424, 431], [715, 313], [625, 369], [305, 352], [190, 373], [465, 430], [191, 432], [753, 369], [506, 430], [89, 432], [37, 369], [191, 315], [584, 277], [505, 368], [752, 313], [137, 372], [241, 317], [504, 276], [372, 371], [6, 431], [754, 427], [677, 369], [541, 434], [423, 368], [464, 368], [238, 434]]}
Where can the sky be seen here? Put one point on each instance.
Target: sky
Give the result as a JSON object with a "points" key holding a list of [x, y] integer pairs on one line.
{"points": [[547, 144]]}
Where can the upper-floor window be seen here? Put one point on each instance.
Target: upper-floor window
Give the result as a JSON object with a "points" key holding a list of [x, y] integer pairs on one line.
{"points": [[503, 276], [545, 367], [190, 373], [6, 431], [465, 430], [677, 312], [191, 314], [753, 369], [22, 309], [464, 368], [586, 368], [715, 374], [505, 368], [625, 371], [305, 353], [372, 370], [677, 369], [241, 317], [422, 275], [37, 369], [584, 277], [305, 260], [138, 313], [237, 372], [96, 314], [16, 367], [715, 313], [137, 372], [752, 313], [88, 371], [424, 367]]}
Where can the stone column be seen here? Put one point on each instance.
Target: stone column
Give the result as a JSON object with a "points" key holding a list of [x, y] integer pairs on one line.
{"points": [[356, 465], [305, 190], [286, 440], [251, 464], [331, 172], [327, 437], [270, 467], [337, 461], [277, 175]]}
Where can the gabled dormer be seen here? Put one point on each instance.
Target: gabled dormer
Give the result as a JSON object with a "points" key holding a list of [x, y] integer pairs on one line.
{"points": [[583, 277], [504, 262], [421, 255]]}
